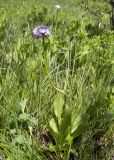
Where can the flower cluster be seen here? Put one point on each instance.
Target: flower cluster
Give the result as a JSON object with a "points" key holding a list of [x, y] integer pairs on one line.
{"points": [[42, 31], [57, 6]]}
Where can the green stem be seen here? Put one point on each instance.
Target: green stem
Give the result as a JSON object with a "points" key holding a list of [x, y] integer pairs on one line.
{"points": [[58, 152], [66, 152], [46, 69]]}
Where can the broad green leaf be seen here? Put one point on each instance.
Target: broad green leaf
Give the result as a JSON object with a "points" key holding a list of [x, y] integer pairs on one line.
{"points": [[24, 117], [13, 131], [30, 129], [65, 126], [20, 139], [52, 147], [53, 125], [33, 121], [23, 104], [58, 107], [69, 139], [54, 130], [79, 125]]}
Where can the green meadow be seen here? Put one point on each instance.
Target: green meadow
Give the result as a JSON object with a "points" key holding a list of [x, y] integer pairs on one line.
{"points": [[57, 91]]}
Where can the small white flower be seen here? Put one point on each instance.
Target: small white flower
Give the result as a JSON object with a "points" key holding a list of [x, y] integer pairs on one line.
{"points": [[57, 6]]}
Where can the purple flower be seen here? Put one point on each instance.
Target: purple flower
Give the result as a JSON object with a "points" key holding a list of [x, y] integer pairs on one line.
{"points": [[41, 31]]}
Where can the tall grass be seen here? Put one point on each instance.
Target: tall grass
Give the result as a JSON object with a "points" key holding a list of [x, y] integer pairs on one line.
{"points": [[79, 61]]}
